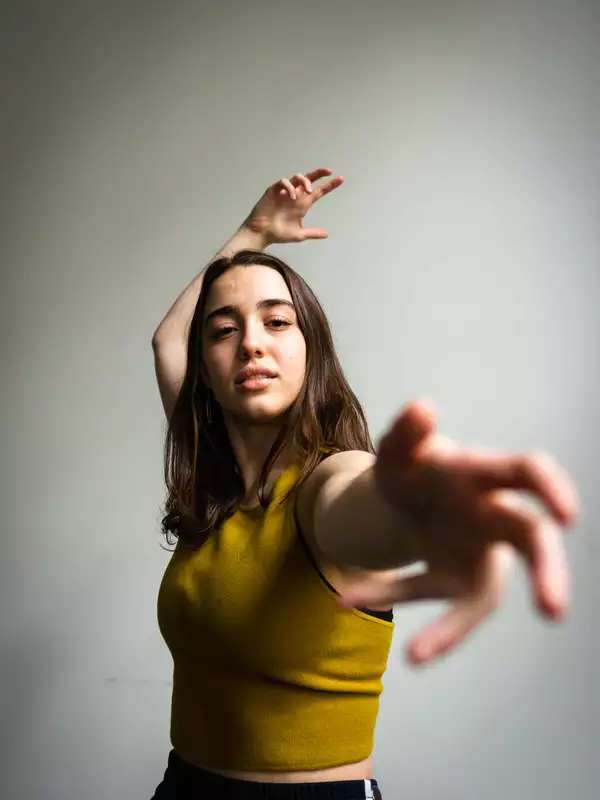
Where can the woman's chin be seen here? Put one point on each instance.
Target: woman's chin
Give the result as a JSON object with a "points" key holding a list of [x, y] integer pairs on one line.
{"points": [[257, 413]]}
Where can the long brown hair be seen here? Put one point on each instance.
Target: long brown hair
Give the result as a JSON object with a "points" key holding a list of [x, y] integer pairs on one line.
{"points": [[204, 482]]}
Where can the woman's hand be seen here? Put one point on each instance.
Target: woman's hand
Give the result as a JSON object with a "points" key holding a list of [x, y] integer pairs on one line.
{"points": [[470, 524], [279, 212]]}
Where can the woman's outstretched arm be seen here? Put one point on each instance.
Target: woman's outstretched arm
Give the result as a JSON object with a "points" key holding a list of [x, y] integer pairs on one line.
{"points": [[459, 511]]}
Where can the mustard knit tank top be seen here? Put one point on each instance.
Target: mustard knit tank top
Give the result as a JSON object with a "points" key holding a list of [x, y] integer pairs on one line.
{"points": [[269, 671]]}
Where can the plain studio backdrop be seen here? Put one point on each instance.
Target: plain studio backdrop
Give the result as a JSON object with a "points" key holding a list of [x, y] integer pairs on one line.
{"points": [[462, 264]]}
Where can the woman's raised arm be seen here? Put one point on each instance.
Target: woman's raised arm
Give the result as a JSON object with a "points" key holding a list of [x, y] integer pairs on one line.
{"points": [[276, 218]]}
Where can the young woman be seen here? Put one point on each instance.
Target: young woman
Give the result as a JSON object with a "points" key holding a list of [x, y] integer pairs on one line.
{"points": [[277, 603]]}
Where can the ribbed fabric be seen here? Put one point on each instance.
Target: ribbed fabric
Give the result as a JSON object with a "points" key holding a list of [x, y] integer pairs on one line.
{"points": [[270, 673]]}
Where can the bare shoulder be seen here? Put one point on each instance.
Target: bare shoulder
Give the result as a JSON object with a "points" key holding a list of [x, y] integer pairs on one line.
{"points": [[348, 462], [344, 466], [339, 467]]}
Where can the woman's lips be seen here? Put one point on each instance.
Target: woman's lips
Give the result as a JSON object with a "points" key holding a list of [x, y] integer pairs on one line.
{"points": [[255, 382]]}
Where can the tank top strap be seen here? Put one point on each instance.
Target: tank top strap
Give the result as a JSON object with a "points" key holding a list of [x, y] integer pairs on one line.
{"points": [[327, 448]]}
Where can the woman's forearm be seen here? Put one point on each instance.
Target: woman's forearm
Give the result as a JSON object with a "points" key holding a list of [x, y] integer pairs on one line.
{"points": [[175, 323]]}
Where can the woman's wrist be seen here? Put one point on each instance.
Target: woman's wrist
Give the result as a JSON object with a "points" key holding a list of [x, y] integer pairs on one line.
{"points": [[257, 229], [245, 238]]}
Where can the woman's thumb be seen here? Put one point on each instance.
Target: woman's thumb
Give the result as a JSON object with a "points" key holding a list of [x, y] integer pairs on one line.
{"points": [[416, 422], [314, 233], [398, 473]]}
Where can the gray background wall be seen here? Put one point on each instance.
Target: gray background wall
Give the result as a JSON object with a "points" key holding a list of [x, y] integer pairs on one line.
{"points": [[462, 264]]}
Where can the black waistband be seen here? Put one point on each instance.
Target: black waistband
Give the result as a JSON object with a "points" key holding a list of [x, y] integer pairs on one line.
{"points": [[192, 778]]}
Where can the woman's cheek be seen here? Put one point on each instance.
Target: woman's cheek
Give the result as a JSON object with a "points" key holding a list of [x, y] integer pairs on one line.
{"points": [[294, 371], [296, 357]]}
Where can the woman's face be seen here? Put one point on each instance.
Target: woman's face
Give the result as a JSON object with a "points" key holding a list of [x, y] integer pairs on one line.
{"points": [[248, 322]]}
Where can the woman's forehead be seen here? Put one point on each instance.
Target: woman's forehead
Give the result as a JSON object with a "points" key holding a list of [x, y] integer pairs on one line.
{"points": [[246, 285]]}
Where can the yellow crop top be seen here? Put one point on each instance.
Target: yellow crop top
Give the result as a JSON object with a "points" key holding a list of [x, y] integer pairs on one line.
{"points": [[269, 671]]}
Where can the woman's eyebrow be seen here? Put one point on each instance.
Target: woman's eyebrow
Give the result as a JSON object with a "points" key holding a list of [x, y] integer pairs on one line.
{"points": [[231, 310]]}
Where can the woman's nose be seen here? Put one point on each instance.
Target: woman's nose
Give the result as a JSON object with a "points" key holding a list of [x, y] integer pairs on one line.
{"points": [[251, 341]]}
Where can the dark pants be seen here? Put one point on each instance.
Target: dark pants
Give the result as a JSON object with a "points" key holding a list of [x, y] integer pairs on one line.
{"points": [[183, 781]]}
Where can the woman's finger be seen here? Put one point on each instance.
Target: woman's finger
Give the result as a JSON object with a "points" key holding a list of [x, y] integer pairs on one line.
{"points": [[478, 591], [305, 180], [414, 427], [406, 481], [299, 178], [318, 173], [290, 189], [448, 630], [431, 585], [503, 517], [469, 609], [537, 472], [320, 191], [313, 233], [451, 628], [309, 177]]}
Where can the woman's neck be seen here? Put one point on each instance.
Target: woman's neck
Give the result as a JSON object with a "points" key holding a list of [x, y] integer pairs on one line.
{"points": [[251, 500]]}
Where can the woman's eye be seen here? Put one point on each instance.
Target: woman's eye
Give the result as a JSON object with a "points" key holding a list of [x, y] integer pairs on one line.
{"points": [[281, 323], [221, 332]]}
